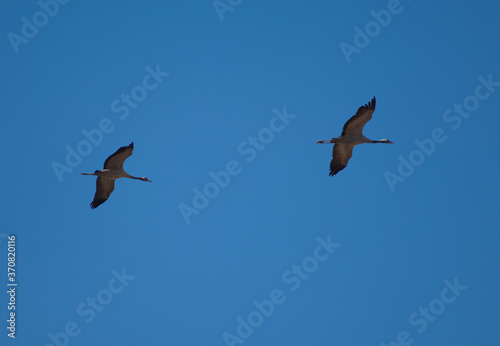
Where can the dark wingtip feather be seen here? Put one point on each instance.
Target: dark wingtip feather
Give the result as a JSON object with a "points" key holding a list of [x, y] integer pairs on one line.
{"points": [[119, 151], [96, 202], [371, 104], [335, 169]]}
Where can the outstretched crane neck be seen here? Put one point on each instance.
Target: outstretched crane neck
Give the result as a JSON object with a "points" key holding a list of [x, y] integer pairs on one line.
{"points": [[327, 141]]}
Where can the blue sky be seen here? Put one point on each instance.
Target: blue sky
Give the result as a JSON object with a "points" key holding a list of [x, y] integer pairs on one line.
{"points": [[227, 101]]}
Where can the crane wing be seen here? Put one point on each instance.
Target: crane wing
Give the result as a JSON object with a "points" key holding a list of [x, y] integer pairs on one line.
{"points": [[341, 154], [104, 187], [354, 126], [116, 160]]}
